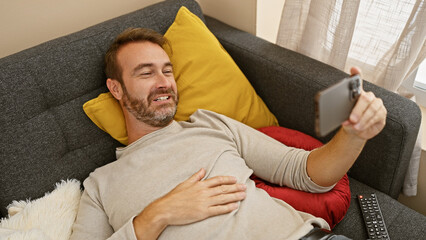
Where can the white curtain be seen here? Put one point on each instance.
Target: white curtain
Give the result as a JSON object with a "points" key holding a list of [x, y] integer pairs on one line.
{"points": [[385, 38]]}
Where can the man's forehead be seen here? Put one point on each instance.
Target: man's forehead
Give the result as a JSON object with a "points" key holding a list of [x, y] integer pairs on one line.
{"points": [[141, 53], [138, 49]]}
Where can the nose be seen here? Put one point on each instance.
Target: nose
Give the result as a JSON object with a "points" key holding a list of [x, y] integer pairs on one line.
{"points": [[163, 81]]}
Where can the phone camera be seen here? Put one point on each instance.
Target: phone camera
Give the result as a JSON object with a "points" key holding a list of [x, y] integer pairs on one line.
{"points": [[355, 88]]}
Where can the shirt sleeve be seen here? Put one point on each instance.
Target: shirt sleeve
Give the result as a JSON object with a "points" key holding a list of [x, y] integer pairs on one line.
{"points": [[270, 160], [92, 222]]}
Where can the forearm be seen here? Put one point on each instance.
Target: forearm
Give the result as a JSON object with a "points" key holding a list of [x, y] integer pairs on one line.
{"points": [[328, 164]]}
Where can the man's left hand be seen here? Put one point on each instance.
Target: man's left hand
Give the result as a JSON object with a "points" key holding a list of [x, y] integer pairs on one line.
{"points": [[368, 117]]}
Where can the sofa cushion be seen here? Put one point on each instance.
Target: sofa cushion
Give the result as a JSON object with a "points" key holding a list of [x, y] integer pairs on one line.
{"points": [[206, 78], [331, 206]]}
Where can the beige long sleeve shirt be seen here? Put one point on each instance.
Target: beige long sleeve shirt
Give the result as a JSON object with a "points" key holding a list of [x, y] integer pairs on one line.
{"points": [[153, 165]]}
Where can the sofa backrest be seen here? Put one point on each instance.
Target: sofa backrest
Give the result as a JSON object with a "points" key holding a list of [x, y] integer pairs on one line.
{"points": [[45, 135]]}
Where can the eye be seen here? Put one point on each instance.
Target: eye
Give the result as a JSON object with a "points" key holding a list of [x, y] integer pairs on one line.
{"points": [[167, 71], [146, 73]]}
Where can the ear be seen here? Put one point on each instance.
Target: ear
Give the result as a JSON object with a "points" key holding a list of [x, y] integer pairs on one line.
{"points": [[115, 88]]}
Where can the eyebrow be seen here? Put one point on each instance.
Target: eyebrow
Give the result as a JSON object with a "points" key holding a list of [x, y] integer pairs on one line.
{"points": [[143, 65], [140, 66]]}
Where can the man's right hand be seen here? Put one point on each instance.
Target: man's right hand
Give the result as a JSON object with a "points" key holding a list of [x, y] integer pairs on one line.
{"points": [[191, 201]]}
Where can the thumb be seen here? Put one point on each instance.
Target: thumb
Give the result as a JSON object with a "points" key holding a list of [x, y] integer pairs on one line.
{"points": [[355, 71], [197, 176]]}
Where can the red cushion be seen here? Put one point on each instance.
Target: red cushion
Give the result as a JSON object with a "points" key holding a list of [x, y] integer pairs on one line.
{"points": [[331, 206]]}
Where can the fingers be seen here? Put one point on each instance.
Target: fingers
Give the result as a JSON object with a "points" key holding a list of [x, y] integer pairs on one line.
{"points": [[196, 199], [197, 176], [225, 203], [223, 185], [368, 117], [224, 189], [219, 185], [374, 113], [226, 194], [223, 199], [214, 181], [222, 209], [366, 111], [216, 185], [220, 180], [364, 101]]}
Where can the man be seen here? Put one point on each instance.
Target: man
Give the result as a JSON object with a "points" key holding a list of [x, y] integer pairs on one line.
{"points": [[190, 180]]}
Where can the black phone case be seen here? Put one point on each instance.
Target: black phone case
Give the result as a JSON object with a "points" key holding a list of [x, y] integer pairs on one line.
{"points": [[334, 104]]}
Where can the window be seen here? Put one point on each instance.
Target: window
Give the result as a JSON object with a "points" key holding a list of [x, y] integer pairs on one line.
{"points": [[420, 79]]}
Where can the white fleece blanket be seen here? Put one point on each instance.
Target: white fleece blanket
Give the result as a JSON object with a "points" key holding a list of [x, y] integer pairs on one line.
{"points": [[50, 217]]}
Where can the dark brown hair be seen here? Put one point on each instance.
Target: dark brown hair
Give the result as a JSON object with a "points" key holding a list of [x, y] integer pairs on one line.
{"points": [[112, 68]]}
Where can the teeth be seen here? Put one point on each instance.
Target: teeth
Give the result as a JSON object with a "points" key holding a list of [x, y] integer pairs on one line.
{"points": [[162, 98]]}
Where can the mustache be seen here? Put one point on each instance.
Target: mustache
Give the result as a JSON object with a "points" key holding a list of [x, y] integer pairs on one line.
{"points": [[152, 95]]}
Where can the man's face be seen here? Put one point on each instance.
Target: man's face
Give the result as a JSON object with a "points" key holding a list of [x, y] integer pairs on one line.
{"points": [[149, 91]]}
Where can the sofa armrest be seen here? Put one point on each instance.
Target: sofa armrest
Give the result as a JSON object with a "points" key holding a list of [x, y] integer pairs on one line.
{"points": [[288, 81]]}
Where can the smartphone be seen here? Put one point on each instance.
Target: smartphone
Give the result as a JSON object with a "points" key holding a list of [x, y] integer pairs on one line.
{"points": [[334, 104]]}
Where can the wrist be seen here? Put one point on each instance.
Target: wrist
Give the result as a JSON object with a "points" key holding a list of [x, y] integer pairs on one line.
{"points": [[351, 136], [149, 223]]}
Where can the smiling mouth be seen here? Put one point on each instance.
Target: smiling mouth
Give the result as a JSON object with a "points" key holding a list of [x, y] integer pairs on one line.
{"points": [[161, 99]]}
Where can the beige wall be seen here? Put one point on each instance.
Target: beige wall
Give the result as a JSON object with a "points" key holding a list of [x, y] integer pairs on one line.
{"points": [[26, 23], [237, 13], [268, 19]]}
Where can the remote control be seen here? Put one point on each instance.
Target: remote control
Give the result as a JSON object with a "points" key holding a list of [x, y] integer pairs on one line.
{"points": [[373, 217]]}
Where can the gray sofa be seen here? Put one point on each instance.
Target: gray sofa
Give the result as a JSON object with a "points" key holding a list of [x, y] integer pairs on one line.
{"points": [[45, 135]]}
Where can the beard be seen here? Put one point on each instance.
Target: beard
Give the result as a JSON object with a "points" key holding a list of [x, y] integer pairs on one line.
{"points": [[155, 116]]}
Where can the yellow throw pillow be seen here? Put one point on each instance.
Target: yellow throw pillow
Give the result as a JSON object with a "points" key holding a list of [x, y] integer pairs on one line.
{"points": [[106, 113], [206, 77]]}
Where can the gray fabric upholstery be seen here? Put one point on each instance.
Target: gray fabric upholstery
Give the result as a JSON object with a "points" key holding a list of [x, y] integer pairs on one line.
{"points": [[402, 222], [45, 135]]}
